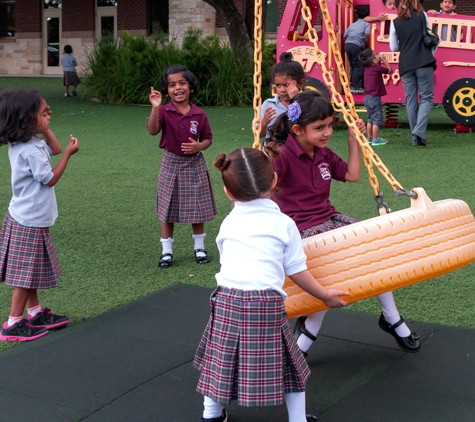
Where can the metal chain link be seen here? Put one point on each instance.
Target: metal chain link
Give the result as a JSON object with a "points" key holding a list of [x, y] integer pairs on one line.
{"points": [[350, 116], [257, 102]]}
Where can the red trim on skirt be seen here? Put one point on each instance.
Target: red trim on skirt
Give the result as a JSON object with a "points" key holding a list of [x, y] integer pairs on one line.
{"points": [[27, 256], [248, 352]]}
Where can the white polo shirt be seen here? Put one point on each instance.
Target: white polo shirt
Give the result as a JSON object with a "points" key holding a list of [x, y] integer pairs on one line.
{"points": [[258, 246]]}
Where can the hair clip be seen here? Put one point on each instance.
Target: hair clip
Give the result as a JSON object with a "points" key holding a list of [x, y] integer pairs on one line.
{"points": [[294, 111]]}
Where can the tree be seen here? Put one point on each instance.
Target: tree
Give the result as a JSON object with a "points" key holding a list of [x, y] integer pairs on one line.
{"points": [[240, 29]]}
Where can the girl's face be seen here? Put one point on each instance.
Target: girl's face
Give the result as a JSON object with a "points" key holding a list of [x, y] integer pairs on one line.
{"points": [[391, 4], [281, 83], [316, 134], [43, 117], [178, 88]]}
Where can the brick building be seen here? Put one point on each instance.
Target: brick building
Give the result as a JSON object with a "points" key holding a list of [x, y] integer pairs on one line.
{"points": [[33, 32]]}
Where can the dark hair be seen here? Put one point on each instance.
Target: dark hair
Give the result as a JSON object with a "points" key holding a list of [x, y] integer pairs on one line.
{"points": [[247, 173], [68, 49], [367, 56], [19, 110], [362, 12], [287, 67], [178, 68], [314, 107]]}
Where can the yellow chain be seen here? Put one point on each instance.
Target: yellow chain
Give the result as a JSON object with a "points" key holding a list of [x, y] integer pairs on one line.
{"points": [[256, 123], [369, 157]]}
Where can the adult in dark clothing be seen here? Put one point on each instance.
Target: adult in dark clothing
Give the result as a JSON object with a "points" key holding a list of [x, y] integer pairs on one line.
{"points": [[416, 66]]}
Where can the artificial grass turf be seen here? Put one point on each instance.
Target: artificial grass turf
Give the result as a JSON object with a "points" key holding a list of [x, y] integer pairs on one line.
{"points": [[107, 234]]}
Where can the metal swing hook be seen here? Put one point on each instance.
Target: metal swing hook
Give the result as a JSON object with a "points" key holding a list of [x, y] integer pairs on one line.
{"points": [[379, 198]]}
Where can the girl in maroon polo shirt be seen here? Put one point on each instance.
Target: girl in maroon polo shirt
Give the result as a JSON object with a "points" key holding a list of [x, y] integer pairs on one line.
{"points": [[185, 194], [305, 168]]}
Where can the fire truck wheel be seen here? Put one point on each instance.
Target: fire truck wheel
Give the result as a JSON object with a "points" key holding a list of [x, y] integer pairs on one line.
{"points": [[317, 85], [459, 101]]}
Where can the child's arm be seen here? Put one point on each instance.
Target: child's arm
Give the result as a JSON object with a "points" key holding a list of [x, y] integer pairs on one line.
{"points": [[432, 12], [58, 171], [269, 115], [386, 63], [354, 162], [52, 141], [193, 146], [381, 17], [331, 297], [155, 98]]}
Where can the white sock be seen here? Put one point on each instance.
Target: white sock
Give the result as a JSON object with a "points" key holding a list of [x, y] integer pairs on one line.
{"points": [[295, 403], [199, 243], [167, 246], [391, 314], [13, 320], [32, 312], [313, 323], [211, 409]]}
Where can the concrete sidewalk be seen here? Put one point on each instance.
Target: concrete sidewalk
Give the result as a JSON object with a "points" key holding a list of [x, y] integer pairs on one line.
{"points": [[134, 364]]}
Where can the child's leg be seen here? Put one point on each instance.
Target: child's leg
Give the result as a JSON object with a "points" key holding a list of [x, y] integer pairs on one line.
{"points": [[20, 298], [199, 238], [167, 245], [211, 409], [391, 314], [312, 324], [295, 403], [369, 131], [375, 131]]}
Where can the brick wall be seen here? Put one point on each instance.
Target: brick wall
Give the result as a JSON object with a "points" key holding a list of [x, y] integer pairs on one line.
{"points": [[28, 16], [78, 15], [132, 15], [466, 7], [240, 7]]}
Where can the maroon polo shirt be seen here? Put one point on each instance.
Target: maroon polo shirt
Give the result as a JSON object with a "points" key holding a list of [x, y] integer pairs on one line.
{"points": [[373, 80], [303, 187], [176, 127]]}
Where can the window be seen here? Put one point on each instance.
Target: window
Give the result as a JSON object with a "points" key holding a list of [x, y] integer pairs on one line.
{"points": [[271, 16], [7, 19], [158, 16], [53, 4]]}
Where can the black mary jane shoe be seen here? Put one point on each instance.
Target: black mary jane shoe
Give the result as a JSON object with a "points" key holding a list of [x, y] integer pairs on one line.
{"points": [[300, 329], [201, 259], [165, 260], [409, 344], [311, 418]]}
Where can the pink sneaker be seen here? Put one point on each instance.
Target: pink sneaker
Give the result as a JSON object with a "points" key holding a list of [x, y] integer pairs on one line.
{"points": [[22, 331], [45, 318]]}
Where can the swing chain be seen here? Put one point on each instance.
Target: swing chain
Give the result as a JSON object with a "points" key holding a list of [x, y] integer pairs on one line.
{"points": [[379, 198], [405, 192], [257, 102]]}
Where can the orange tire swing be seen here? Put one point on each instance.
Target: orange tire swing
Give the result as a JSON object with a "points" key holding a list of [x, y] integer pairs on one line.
{"points": [[384, 253]]}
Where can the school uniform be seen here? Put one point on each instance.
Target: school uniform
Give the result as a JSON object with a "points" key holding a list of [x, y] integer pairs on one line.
{"points": [[247, 352], [185, 194], [27, 255]]}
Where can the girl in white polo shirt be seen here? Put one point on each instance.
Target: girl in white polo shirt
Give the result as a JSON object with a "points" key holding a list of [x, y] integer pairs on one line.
{"points": [[28, 260], [247, 352]]}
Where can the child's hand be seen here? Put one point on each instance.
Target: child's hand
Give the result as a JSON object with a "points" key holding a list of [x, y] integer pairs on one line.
{"points": [[292, 89], [382, 17], [361, 127], [155, 97], [269, 115], [73, 146], [334, 300], [191, 147]]}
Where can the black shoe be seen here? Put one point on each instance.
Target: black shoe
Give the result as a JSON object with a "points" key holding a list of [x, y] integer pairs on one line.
{"points": [[201, 259], [311, 418], [22, 331], [165, 260], [421, 141], [409, 344], [300, 329], [45, 318], [74, 93], [222, 418]]}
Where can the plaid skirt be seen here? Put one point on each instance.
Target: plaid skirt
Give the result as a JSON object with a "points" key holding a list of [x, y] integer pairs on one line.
{"points": [[27, 256], [334, 222], [247, 352], [70, 79], [185, 194]]}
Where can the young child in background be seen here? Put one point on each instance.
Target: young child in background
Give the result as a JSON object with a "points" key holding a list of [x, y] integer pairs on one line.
{"points": [[304, 132], [28, 259], [70, 77], [288, 77], [391, 5], [447, 7], [356, 37], [184, 193], [247, 352], [374, 90]]}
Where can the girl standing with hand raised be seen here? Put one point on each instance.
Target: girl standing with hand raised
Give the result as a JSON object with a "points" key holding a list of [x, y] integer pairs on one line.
{"points": [[28, 260], [185, 194], [247, 352]]}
